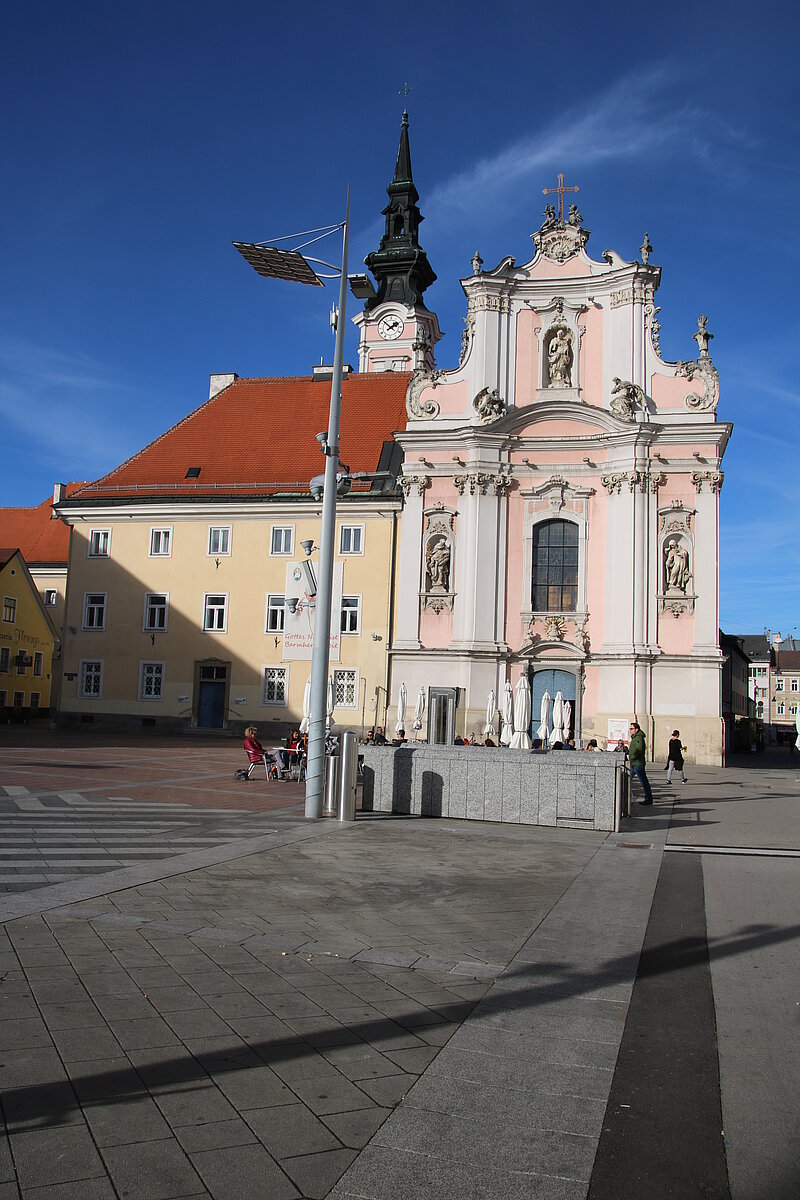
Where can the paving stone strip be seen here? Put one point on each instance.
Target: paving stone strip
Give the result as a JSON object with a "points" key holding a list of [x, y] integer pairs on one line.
{"points": [[188, 1035]]}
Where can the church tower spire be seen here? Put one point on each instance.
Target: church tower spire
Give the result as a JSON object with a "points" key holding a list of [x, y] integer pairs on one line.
{"points": [[400, 265], [398, 332]]}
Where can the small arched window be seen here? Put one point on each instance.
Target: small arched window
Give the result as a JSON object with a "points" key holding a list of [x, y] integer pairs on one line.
{"points": [[555, 567]]}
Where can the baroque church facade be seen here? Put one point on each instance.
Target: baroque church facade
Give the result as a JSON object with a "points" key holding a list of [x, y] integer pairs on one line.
{"points": [[561, 489], [549, 508]]}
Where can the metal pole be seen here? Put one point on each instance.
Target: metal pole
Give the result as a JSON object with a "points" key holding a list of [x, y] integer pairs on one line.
{"points": [[320, 653]]}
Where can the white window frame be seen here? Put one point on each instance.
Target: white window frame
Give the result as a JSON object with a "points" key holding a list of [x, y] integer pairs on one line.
{"points": [[351, 529], [146, 627], [156, 674], [50, 597], [162, 532], [279, 609], [10, 607], [223, 628], [91, 552], [354, 682], [350, 610], [781, 709], [87, 605], [779, 685], [276, 671], [38, 662], [794, 685], [19, 700], [282, 529], [35, 701], [793, 710], [219, 529], [83, 666]]}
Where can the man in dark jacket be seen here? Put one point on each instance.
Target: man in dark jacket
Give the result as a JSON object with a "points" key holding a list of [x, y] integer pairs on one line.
{"points": [[636, 757]]}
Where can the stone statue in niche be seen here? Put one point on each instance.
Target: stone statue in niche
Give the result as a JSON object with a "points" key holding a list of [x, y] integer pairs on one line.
{"points": [[676, 567], [437, 561], [559, 358]]}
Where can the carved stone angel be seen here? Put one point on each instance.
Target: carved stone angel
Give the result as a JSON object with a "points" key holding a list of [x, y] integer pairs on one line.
{"points": [[574, 217], [625, 397], [489, 405]]}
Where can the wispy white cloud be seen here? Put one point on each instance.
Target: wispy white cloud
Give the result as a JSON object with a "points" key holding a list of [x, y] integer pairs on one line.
{"points": [[634, 116]]}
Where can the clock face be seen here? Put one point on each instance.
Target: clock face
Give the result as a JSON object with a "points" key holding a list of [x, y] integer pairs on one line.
{"points": [[390, 328]]}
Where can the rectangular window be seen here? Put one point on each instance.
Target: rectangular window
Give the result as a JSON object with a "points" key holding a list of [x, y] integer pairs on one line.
{"points": [[9, 609], [276, 681], [156, 605], [50, 597], [351, 539], [781, 709], [215, 614], [91, 679], [3, 699], [22, 660], [19, 699], [160, 543], [38, 662], [219, 539], [351, 614], [98, 543], [35, 701], [282, 539], [151, 681], [276, 612], [345, 689], [94, 610], [778, 685], [5, 658], [793, 710], [794, 685]]}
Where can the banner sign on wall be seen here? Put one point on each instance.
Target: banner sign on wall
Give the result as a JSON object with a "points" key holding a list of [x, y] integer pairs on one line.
{"points": [[298, 627]]}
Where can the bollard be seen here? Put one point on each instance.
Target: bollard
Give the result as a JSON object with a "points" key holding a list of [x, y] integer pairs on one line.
{"points": [[348, 773], [331, 785]]}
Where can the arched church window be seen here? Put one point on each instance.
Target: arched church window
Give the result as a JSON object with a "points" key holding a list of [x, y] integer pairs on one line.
{"points": [[555, 567]]}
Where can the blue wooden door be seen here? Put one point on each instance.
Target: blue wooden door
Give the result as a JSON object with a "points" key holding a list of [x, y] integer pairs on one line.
{"points": [[211, 705], [552, 682]]}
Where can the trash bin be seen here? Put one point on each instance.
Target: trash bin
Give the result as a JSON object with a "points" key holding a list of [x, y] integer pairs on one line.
{"points": [[331, 785], [348, 775]]}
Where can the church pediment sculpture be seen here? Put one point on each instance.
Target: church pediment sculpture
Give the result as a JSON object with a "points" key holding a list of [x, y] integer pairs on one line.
{"points": [[489, 405], [702, 369], [559, 358], [626, 398]]}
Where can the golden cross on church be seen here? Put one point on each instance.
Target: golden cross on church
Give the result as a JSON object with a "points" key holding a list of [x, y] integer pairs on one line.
{"points": [[560, 190]]}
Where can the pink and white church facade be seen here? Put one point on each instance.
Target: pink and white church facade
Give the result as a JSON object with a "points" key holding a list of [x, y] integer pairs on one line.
{"points": [[561, 487]]}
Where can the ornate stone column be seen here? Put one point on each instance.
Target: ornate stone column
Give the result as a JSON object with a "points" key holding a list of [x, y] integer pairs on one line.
{"points": [[476, 617], [707, 485], [409, 566]]}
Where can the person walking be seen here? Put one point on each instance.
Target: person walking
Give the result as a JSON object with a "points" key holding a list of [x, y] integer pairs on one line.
{"points": [[675, 756], [636, 757]]}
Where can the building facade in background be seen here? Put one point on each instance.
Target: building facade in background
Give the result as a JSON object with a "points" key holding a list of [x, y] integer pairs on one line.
{"points": [[28, 642]]}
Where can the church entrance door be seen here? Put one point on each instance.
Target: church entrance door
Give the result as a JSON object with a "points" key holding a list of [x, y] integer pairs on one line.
{"points": [[552, 682]]}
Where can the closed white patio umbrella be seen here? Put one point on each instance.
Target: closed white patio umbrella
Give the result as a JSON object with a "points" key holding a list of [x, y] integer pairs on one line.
{"points": [[491, 709], [522, 716], [567, 718], [402, 705], [543, 732], [558, 719], [508, 715], [419, 709], [797, 727], [306, 721]]}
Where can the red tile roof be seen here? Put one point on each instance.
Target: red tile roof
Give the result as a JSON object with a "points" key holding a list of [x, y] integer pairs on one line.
{"points": [[40, 538], [257, 437]]}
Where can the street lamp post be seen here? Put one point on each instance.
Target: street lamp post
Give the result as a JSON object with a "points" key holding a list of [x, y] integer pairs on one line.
{"points": [[293, 266]]}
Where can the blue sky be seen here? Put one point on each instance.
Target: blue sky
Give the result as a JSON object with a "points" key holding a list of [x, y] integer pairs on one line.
{"points": [[139, 141]]}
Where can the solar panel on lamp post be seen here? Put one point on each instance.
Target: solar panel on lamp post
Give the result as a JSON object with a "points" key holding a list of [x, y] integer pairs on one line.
{"points": [[296, 268]]}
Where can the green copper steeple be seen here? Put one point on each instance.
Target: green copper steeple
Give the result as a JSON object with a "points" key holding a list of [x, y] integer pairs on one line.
{"points": [[401, 266]]}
